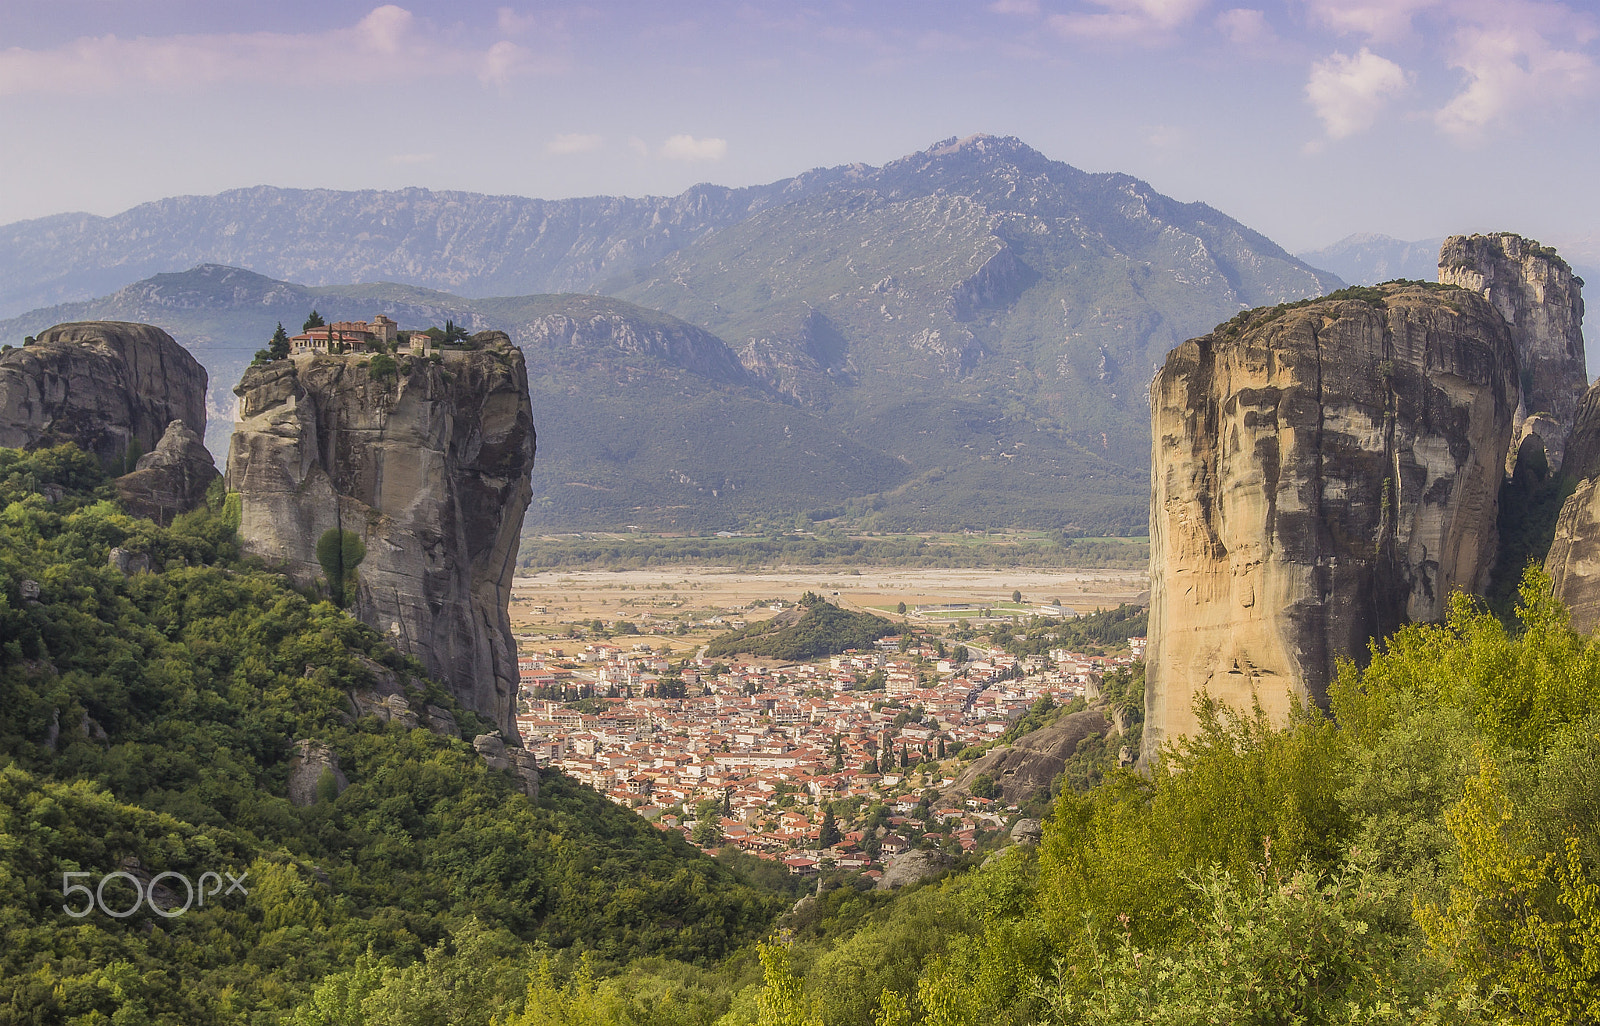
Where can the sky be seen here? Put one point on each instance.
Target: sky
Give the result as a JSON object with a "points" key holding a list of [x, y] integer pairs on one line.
{"points": [[1306, 119]]}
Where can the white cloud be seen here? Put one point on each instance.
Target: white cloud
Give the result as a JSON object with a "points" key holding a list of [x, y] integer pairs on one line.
{"points": [[364, 52], [1379, 20], [563, 145], [687, 147], [638, 146], [1350, 92], [1139, 21], [1245, 26], [1029, 8], [504, 60], [1510, 67]]}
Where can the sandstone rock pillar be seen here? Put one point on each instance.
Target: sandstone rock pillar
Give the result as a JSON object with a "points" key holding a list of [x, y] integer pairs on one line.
{"points": [[1320, 473]]}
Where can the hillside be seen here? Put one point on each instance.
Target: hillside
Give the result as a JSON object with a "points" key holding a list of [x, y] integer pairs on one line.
{"points": [[148, 723], [642, 418], [461, 241], [814, 629], [935, 344]]}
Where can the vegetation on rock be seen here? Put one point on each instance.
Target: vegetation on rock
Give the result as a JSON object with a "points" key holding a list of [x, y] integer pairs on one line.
{"points": [[820, 629]]}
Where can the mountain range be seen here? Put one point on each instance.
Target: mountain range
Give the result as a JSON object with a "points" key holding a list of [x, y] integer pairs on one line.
{"points": [[961, 338]]}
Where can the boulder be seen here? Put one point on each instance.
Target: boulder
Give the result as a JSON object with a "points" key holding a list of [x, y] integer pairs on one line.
{"points": [[128, 562], [911, 866], [170, 479], [1026, 768], [110, 386], [527, 770], [1027, 831], [442, 722], [493, 749], [1321, 473]]}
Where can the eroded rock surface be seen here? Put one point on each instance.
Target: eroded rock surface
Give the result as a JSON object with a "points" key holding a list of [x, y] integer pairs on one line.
{"points": [[1573, 562], [1321, 474], [1026, 768], [311, 759], [912, 866], [1536, 293], [429, 467], [170, 479], [110, 386]]}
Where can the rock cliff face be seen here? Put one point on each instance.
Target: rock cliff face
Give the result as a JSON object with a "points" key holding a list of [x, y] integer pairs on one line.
{"points": [[429, 468], [106, 385], [1536, 293], [1574, 559], [1321, 474]]}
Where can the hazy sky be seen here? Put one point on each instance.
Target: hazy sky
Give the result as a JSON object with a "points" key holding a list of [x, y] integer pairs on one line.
{"points": [[1306, 119]]}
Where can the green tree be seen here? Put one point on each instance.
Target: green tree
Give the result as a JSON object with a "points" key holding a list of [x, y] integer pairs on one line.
{"points": [[828, 835], [901, 609], [313, 321], [1016, 596], [340, 552], [383, 368], [278, 347]]}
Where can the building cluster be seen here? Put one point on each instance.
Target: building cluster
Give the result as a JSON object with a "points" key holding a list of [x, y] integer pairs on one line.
{"points": [[377, 335], [771, 747]]}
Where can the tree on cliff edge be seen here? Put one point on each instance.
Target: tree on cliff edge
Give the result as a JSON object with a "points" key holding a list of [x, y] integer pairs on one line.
{"points": [[278, 348]]}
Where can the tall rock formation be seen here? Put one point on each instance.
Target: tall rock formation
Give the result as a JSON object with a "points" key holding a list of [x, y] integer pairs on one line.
{"points": [[110, 386], [1573, 562], [428, 466], [1537, 294], [1322, 473]]}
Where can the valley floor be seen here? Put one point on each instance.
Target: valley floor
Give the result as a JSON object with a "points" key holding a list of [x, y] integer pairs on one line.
{"points": [[543, 601]]}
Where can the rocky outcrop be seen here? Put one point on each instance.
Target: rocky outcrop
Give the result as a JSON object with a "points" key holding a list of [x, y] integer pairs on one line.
{"points": [[996, 284], [913, 866], [428, 466], [1573, 562], [310, 761], [1027, 768], [1536, 293], [497, 756], [170, 479], [1027, 832], [1321, 473], [112, 387]]}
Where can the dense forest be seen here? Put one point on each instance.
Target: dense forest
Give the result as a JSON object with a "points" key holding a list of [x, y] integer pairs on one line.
{"points": [[148, 720], [1427, 850]]}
